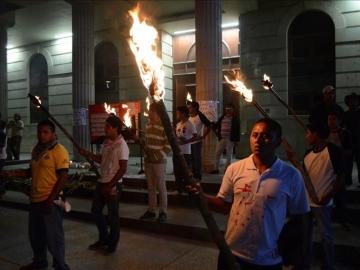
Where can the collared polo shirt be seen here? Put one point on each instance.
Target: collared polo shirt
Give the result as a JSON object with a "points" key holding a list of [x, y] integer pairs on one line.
{"points": [[199, 126], [44, 172], [323, 167], [259, 207], [112, 153], [185, 130]]}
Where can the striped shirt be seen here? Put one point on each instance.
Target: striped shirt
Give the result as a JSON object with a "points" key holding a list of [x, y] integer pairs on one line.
{"points": [[226, 127], [156, 144]]}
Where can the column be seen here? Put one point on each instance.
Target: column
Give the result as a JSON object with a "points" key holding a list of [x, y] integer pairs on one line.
{"points": [[5, 23], [208, 68], [83, 69]]}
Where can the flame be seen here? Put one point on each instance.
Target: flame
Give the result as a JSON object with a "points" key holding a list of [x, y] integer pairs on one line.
{"points": [[38, 100], [109, 109], [240, 87], [146, 113], [188, 97], [266, 82], [142, 42], [127, 118]]}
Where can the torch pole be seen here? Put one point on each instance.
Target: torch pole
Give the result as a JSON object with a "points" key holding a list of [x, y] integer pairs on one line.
{"points": [[201, 201], [260, 109], [66, 133], [291, 110]]}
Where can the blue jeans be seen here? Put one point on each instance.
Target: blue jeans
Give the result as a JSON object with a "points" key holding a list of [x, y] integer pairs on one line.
{"points": [[109, 228], [322, 216], [46, 231]]}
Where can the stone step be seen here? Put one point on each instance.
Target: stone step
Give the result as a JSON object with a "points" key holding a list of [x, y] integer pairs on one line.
{"points": [[185, 222]]}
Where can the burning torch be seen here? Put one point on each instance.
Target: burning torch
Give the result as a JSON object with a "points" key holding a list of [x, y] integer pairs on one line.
{"points": [[37, 102], [268, 85], [142, 43], [247, 94]]}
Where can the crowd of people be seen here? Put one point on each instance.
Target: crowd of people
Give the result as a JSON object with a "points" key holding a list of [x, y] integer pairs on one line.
{"points": [[258, 193]]}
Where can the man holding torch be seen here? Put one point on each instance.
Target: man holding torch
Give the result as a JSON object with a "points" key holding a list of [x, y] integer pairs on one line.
{"points": [[257, 192], [156, 148], [49, 171], [113, 165], [228, 133], [200, 122]]}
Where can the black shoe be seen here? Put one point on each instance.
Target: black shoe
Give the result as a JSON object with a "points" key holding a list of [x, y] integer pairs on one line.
{"points": [[214, 172], [97, 245], [110, 250], [162, 217], [148, 215]]}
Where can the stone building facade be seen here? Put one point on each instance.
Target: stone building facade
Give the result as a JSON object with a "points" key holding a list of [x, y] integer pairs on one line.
{"points": [[262, 46]]}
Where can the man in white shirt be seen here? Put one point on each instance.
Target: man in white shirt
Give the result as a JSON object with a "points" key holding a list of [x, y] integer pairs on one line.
{"points": [[196, 147], [324, 164], [16, 128], [113, 165], [228, 133], [185, 133], [257, 192]]}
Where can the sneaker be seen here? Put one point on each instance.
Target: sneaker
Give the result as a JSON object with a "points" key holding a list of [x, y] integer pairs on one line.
{"points": [[33, 266], [148, 215], [214, 172], [97, 245], [162, 217]]}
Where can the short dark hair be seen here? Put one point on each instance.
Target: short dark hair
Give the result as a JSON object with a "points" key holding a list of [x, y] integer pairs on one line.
{"points": [[273, 126], [184, 110], [114, 122], [47, 123], [229, 105], [195, 105], [321, 129]]}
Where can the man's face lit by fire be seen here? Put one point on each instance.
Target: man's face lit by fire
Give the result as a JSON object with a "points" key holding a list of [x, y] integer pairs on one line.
{"points": [[333, 121], [263, 141], [191, 109], [45, 134], [311, 137], [229, 111], [153, 116], [110, 131]]}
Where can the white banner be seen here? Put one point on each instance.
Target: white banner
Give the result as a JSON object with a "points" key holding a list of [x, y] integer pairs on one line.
{"points": [[209, 108]]}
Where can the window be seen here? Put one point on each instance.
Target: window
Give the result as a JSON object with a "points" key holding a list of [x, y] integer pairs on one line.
{"points": [[106, 73], [39, 86], [311, 59]]}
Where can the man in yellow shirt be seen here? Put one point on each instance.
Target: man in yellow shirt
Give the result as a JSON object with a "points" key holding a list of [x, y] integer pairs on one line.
{"points": [[49, 171]]}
